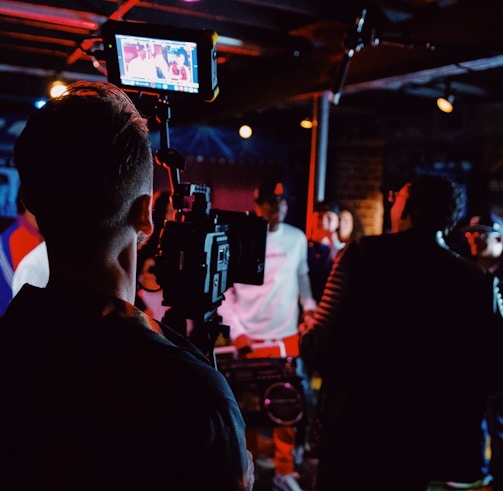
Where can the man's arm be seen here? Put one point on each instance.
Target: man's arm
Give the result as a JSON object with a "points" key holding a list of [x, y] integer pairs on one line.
{"points": [[317, 331], [229, 312]]}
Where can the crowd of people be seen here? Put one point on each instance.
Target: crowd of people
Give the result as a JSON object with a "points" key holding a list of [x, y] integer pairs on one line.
{"points": [[395, 336]]}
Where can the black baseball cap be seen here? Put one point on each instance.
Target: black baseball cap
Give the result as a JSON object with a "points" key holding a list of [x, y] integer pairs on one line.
{"points": [[269, 191]]}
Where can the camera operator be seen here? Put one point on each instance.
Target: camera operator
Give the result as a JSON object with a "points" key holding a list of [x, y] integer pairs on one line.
{"points": [[270, 312], [93, 398]]}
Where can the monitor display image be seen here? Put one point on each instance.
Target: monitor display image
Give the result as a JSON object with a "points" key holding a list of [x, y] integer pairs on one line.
{"points": [[161, 59]]}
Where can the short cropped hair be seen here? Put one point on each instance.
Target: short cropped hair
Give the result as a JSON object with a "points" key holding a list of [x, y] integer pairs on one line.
{"points": [[324, 206], [84, 155], [435, 202]]}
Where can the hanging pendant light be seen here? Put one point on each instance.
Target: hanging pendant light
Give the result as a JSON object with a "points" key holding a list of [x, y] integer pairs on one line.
{"points": [[446, 102]]}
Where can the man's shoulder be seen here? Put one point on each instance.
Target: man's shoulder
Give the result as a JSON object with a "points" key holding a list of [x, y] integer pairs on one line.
{"points": [[377, 243], [118, 344], [293, 231]]}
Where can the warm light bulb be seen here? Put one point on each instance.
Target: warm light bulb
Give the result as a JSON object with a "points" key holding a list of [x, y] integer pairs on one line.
{"points": [[57, 88], [445, 104], [245, 131], [306, 124]]}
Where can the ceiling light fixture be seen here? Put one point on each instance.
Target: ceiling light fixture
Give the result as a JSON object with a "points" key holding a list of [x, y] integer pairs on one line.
{"points": [[245, 131], [306, 123], [446, 102]]}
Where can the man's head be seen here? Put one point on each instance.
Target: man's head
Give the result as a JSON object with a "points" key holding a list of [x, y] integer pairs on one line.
{"points": [[141, 50], [85, 156], [484, 235], [325, 222], [346, 224], [270, 203], [428, 202]]}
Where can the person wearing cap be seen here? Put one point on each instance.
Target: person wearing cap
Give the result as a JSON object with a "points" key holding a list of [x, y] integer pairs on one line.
{"points": [[270, 312], [484, 235]]}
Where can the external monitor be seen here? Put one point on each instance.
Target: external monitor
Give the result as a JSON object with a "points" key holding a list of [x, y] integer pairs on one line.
{"points": [[161, 59]]}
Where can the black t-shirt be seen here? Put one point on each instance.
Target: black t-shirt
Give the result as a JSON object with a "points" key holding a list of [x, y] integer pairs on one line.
{"points": [[92, 398]]}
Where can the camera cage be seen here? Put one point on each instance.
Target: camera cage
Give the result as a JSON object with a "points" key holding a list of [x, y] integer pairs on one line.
{"points": [[204, 251], [200, 255], [122, 40]]}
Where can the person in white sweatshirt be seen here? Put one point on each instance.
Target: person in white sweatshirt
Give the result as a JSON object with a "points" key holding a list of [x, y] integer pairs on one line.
{"points": [[271, 311]]}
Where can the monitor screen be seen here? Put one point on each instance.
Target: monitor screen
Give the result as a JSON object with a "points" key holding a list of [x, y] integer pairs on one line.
{"points": [[161, 59]]}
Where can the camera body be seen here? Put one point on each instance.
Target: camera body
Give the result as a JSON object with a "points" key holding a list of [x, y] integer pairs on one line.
{"points": [[196, 49], [205, 251]]}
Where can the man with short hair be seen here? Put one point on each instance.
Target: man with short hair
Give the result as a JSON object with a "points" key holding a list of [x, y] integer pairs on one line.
{"points": [[93, 398], [406, 338]]}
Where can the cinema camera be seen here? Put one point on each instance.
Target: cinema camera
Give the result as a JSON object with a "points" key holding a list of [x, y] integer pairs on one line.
{"points": [[204, 251]]}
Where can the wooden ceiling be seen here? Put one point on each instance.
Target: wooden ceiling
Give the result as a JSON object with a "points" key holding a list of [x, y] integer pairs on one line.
{"points": [[380, 55]]}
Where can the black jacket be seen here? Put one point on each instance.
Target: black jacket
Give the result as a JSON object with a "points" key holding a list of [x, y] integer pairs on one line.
{"points": [[407, 342], [92, 399]]}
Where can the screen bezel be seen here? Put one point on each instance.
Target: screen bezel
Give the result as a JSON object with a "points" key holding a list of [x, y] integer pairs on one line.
{"points": [[120, 38]]}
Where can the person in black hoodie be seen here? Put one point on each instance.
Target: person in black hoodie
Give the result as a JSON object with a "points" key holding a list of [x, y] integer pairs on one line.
{"points": [[93, 397], [406, 338]]}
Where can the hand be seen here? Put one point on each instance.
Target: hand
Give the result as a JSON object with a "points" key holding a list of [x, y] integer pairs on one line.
{"points": [[243, 345], [307, 322], [302, 328], [305, 327]]}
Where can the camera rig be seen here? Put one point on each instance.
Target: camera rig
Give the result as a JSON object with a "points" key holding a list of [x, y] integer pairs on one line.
{"points": [[202, 252]]}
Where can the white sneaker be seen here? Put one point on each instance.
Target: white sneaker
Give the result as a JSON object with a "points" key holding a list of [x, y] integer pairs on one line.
{"points": [[286, 482], [264, 464]]}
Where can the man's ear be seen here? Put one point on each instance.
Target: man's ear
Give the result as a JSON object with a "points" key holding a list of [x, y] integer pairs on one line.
{"points": [[143, 214]]}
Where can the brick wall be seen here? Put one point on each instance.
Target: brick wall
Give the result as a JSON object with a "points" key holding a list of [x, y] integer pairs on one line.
{"points": [[355, 175]]}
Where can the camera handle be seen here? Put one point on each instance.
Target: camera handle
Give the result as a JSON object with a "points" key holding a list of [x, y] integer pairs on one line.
{"points": [[167, 157], [205, 333], [205, 329]]}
